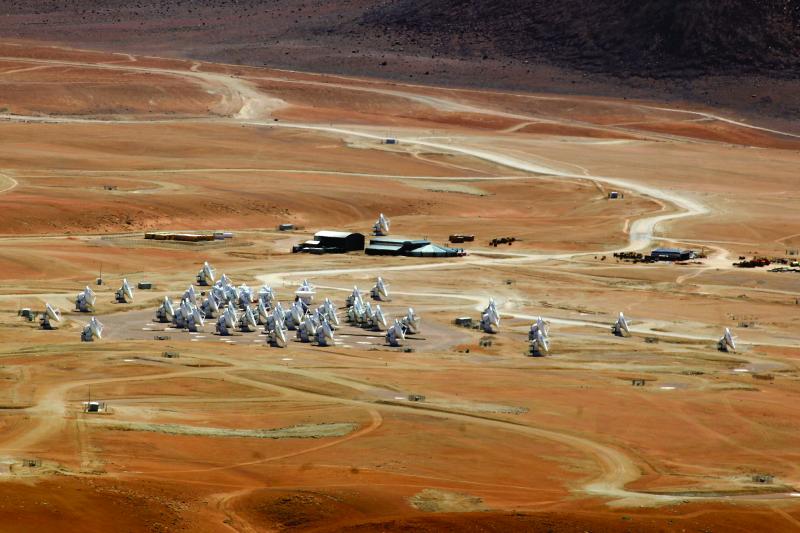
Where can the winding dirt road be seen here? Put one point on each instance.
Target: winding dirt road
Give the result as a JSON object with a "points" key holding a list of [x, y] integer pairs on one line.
{"points": [[245, 104], [7, 183], [240, 99]]}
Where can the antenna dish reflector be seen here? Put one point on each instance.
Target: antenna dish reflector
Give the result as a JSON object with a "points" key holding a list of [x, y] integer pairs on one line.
{"points": [[727, 343], [92, 331], [51, 317]]}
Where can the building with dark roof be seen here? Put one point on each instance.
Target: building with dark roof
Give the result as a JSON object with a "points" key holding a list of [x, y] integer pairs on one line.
{"points": [[332, 242], [671, 254]]}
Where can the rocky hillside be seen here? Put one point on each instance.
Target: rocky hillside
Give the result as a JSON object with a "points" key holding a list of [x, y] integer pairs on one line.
{"points": [[741, 54], [620, 37]]}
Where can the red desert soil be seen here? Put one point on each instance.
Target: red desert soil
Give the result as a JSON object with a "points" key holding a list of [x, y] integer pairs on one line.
{"points": [[206, 432]]}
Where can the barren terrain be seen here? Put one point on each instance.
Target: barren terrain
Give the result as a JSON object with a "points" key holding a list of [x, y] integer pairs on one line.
{"points": [[212, 433], [741, 55]]}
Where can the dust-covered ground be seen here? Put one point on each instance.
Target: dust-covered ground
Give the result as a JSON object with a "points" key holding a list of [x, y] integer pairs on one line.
{"points": [[211, 433]]}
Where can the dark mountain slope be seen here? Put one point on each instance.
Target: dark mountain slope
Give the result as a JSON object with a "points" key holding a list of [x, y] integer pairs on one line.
{"points": [[620, 37], [741, 54]]}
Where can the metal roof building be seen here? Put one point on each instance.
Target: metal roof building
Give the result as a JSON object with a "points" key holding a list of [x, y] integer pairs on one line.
{"points": [[434, 250], [332, 242], [384, 249], [671, 254], [409, 247]]}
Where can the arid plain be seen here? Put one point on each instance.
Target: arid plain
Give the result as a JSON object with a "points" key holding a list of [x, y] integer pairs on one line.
{"points": [[98, 148]]}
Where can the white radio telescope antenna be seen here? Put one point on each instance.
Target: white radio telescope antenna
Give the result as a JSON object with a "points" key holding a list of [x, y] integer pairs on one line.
{"points": [[206, 276], [380, 291], [84, 301], [125, 293], [381, 226], [51, 317], [621, 326], [726, 343], [490, 319], [396, 335], [93, 330]]}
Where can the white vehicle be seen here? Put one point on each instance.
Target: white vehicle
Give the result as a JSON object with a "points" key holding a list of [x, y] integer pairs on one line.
{"points": [[206, 276], [210, 305], [325, 334], [93, 330], [124, 294], [84, 301], [50, 318], [247, 321], [540, 344], [379, 320], [411, 322], [380, 291], [396, 335], [490, 319], [305, 293], [166, 311], [726, 342], [381, 226], [621, 327]]}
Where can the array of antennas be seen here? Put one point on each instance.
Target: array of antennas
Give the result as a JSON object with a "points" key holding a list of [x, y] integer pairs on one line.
{"points": [[408, 325], [310, 325], [86, 299], [237, 308], [539, 333], [381, 226], [232, 306], [621, 328], [361, 313], [84, 303]]}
